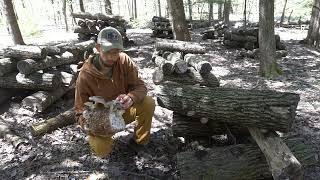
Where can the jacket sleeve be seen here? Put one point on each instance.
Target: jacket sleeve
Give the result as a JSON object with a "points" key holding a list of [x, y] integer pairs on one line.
{"points": [[81, 96], [137, 88]]}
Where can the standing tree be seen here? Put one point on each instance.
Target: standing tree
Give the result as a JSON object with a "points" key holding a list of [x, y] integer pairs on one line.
{"points": [[159, 7], [220, 3], [64, 11], [108, 7], [81, 5], [190, 10], [313, 32], [178, 20], [210, 11], [267, 45], [283, 12], [245, 14], [134, 9], [226, 12], [12, 22]]}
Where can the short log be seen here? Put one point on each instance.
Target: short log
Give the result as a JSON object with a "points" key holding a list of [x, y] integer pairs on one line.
{"points": [[25, 52], [199, 62], [7, 65]]}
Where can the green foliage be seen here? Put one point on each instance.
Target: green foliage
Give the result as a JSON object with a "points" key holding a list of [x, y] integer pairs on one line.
{"points": [[28, 27]]}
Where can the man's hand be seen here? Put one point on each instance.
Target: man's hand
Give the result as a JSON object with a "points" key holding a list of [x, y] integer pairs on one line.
{"points": [[125, 101]]}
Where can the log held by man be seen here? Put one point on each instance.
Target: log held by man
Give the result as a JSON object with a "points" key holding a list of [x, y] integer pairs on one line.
{"points": [[252, 108]]}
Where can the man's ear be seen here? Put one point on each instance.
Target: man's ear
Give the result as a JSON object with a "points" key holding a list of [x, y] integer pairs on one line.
{"points": [[98, 47]]}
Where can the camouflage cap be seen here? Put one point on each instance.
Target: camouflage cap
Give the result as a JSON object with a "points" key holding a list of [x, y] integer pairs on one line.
{"points": [[110, 38]]}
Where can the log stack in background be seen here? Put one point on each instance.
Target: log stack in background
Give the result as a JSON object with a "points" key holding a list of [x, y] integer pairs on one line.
{"points": [[90, 25]]}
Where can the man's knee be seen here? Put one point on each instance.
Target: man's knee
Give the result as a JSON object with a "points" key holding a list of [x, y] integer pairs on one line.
{"points": [[148, 104]]}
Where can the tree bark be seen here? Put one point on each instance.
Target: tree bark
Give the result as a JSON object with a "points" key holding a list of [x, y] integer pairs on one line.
{"points": [[190, 10], [220, 10], [64, 119], [35, 81], [178, 20], [241, 161], [25, 52], [245, 15], [64, 11], [12, 23], [199, 62], [226, 11], [268, 64], [185, 47], [179, 65], [282, 163], [283, 12], [108, 7], [29, 66], [165, 66], [210, 11], [252, 108], [41, 100], [159, 8], [81, 6], [313, 32], [7, 65]]}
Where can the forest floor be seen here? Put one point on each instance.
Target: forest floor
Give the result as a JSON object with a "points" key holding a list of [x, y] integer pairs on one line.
{"points": [[65, 153]]}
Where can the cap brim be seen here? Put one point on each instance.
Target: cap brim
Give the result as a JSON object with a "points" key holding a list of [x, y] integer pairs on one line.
{"points": [[108, 46]]}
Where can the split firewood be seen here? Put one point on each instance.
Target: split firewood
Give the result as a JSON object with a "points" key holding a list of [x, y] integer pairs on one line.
{"points": [[7, 65], [64, 119], [29, 65], [282, 163], [179, 65], [36, 81], [207, 79], [199, 62], [252, 108], [25, 52], [167, 67]]}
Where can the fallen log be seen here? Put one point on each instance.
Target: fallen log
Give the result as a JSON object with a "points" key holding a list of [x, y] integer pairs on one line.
{"points": [[159, 19], [25, 52], [208, 79], [282, 163], [35, 81], [64, 119], [199, 62], [167, 67], [41, 100], [241, 161], [242, 38], [182, 46], [233, 44], [52, 50], [251, 108], [29, 65], [68, 80], [82, 30], [179, 65], [69, 68], [7, 65]]}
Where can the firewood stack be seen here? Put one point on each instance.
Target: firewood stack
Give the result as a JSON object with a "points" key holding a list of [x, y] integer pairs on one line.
{"points": [[161, 28], [202, 109], [214, 32], [90, 25], [48, 71]]}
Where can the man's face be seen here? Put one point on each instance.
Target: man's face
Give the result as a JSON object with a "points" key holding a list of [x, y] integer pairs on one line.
{"points": [[110, 57]]}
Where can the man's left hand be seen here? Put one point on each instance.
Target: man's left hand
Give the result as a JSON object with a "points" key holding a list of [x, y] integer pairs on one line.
{"points": [[125, 101]]}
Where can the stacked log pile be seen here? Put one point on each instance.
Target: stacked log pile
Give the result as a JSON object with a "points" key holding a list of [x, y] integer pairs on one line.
{"points": [[161, 28], [48, 71], [89, 25], [214, 32], [202, 109]]}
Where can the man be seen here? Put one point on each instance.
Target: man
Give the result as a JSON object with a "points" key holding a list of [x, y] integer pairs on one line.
{"points": [[112, 75]]}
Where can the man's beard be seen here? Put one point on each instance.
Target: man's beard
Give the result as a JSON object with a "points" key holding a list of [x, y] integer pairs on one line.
{"points": [[108, 63]]}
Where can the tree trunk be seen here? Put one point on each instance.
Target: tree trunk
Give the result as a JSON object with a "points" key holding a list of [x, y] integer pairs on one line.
{"points": [[289, 18], [159, 8], [74, 22], [199, 62], [313, 32], [210, 11], [108, 7], [226, 12], [64, 11], [36, 81], [190, 10], [178, 20], [64, 119], [7, 65], [220, 10], [268, 64], [25, 52], [283, 12], [135, 9], [29, 66], [185, 47], [12, 23], [245, 15], [81, 6], [282, 163], [252, 108], [41, 100], [241, 161]]}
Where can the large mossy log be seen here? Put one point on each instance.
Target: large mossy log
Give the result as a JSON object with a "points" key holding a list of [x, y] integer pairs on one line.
{"points": [[64, 119], [182, 46], [282, 163], [25, 52], [252, 108], [28, 66], [199, 62], [7, 65], [236, 162], [41, 100], [35, 81]]}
